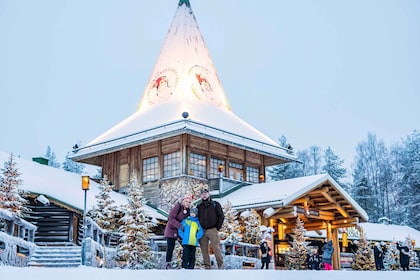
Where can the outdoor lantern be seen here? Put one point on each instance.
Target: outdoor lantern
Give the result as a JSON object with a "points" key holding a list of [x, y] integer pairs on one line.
{"points": [[344, 239], [220, 168], [413, 242], [261, 178], [85, 183]]}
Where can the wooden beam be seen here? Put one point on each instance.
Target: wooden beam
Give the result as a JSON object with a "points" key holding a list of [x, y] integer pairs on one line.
{"points": [[338, 206]]}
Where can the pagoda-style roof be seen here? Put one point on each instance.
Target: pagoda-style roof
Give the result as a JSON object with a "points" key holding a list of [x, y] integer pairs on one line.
{"points": [[183, 95]]}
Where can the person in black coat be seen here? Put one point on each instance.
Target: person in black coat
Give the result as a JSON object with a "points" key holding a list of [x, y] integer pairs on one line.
{"points": [[265, 254], [404, 256], [313, 260], [211, 216], [379, 256]]}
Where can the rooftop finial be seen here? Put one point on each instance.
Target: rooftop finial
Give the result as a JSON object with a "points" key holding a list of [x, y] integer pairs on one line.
{"points": [[186, 2]]}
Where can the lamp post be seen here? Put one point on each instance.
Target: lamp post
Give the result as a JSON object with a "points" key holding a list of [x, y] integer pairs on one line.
{"points": [[85, 187]]}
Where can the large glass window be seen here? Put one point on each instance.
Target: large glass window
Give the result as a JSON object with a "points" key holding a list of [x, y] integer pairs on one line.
{"points": [[150, 169], [172, 164], [252, 175], [214, 167], [236, 171], [198, 165]]}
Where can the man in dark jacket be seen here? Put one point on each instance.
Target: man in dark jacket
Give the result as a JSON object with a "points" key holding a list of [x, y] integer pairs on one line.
{"points": [[211, 217]]}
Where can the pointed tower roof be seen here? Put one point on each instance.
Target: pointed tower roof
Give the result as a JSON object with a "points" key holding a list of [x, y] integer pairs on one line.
{"points": [[183, 95]]}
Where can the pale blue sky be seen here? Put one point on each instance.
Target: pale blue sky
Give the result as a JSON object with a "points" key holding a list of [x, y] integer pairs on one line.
{"points": [[319, 72]]}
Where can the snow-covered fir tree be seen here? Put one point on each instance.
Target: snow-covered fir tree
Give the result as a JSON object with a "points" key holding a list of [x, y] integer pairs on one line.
{"points": [[11, 196], [363, 259], [52, 159], [392, 257], [251, 232], [134, 248], [411, 252], [105, 212], [333, 165], [71, 166], [231, 230], [298, 253]]}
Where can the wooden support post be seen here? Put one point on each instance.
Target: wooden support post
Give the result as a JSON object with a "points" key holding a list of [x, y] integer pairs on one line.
{"points": [[336, 256]]}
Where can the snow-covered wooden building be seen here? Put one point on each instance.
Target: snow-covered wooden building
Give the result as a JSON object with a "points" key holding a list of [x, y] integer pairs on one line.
{"points": [[184, 137]]}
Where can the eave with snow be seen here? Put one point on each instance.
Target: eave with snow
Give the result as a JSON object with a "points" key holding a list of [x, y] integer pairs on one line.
{"points": [[320, 202]]}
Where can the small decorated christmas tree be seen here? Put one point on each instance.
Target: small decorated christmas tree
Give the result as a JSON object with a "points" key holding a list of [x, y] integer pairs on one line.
{"points": [[105, 212], [252, 228], [231, 230], [413, 256], [392, 257], [12, 197], [363, 259], [298, 253], [134, 249]]}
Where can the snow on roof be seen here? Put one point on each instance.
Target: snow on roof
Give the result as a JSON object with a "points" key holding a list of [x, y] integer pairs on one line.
{"points": [[281, 193], [63, 186], [184, 79], [380, 232]]}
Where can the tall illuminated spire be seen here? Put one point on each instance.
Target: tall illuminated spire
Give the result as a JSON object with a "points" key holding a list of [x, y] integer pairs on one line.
{"points": [[184, 73]]}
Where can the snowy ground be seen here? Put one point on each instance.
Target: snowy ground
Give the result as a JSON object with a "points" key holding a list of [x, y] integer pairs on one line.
{"points": [[7, 272]]}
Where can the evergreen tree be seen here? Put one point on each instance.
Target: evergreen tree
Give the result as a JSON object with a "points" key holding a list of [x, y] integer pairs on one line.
{"points": [[134, 247], [363, 259], [106, 213], [52, 159], [371, 158], [297, 257], [333, 165], [285, 171], [392, 257], [231, 230], [409, 188], [11, 196], [252, 228], [362, 192], [315, 160], [71, 166]]}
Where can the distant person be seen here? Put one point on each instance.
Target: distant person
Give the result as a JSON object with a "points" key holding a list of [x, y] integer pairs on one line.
{"points": [[327, 253], [190, 232], [210, 214], [313, 260], [265, 254], [404, 255], [378, 253], [179, 212]]}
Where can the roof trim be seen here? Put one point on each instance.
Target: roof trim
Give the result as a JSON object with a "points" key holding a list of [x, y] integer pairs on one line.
{"points": [[179, 127]]}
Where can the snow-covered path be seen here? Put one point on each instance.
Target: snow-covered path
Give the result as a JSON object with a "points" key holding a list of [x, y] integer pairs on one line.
{"points": [[107, 274]]}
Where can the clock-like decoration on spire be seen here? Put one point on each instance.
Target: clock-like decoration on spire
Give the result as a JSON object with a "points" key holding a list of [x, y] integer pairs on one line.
{"points": [[163, 85], [202, 83]]}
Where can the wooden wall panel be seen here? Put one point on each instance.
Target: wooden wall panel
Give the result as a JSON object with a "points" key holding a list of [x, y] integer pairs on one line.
{"points": [[253, 158], [198, 143], [218, 149], [236, 154], [150, 150], [171, 145]]}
